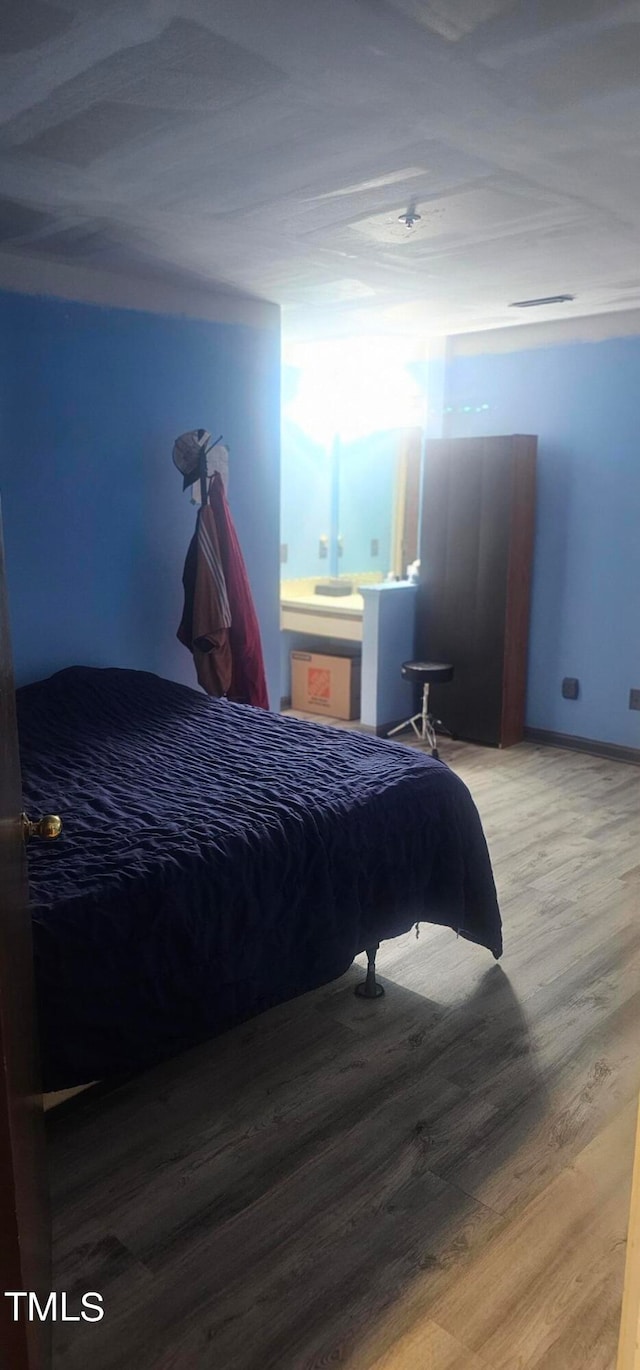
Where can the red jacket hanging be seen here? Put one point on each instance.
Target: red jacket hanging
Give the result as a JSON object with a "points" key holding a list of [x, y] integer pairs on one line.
{"points": [[219, 623], [248, 681]]}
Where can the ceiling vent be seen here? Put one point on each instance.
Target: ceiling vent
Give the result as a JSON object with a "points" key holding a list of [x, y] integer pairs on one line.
{"points": [[547, 299]]}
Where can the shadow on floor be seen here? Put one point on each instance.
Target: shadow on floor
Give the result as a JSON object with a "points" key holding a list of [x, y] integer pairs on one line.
{"points": [[260, 1202]]}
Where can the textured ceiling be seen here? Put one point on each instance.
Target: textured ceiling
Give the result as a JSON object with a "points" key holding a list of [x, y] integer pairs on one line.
{"points": [[269, 146]]}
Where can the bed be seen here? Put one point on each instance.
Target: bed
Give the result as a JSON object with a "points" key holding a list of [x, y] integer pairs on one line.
{"points": [[218, 859]]}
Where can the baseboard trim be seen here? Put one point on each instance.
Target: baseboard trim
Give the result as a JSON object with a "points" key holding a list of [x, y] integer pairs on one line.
{"points": [[611, 751]]}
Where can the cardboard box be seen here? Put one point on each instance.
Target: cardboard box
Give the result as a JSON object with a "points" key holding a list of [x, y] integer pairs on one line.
{"points": [[328, 685]]}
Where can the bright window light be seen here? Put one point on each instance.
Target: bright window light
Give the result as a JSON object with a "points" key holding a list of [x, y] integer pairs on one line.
{"points": [[353, 387]]}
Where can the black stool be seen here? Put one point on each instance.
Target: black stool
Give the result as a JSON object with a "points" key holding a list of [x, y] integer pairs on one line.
{"points": [[425, 673]]}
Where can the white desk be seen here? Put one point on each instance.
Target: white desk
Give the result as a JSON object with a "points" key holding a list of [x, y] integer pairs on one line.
{"points": [[335, 616]]}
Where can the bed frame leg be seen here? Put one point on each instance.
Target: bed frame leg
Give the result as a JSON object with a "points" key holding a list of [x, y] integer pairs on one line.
{"points": [[370, 988]]}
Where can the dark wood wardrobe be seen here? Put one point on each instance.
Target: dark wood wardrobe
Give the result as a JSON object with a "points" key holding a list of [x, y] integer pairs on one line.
{"points": [[476, 547]]}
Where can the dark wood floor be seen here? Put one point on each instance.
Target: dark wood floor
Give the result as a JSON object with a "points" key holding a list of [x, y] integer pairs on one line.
{"points": [[437, 1181]]}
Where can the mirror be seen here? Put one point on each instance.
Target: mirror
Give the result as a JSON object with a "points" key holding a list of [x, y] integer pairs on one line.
{"points": [[378, 490], [351, 450], [306, 481]]}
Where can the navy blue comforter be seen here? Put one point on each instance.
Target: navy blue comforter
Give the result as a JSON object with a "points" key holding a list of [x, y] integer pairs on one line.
{"points": [[217, 859]]}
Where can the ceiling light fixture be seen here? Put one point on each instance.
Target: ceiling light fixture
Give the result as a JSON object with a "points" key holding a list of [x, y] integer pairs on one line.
{"points": [[409, 218], [547, 299]]}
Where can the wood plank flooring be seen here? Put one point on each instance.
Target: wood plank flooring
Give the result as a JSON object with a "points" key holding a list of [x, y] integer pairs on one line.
{"points": [[436, 1181]]}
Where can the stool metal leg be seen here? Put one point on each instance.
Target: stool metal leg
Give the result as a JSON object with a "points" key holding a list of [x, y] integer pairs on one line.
{"points": [[421, 723], [401, 727], [415, 720], [428, 730]]}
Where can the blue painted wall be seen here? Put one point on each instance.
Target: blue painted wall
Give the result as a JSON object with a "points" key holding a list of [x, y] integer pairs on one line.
{"points": [[583, 401], [96, 525]]}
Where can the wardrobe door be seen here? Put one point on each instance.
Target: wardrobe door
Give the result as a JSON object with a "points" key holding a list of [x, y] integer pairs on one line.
{"points": [[519, 574], [467, 593]]}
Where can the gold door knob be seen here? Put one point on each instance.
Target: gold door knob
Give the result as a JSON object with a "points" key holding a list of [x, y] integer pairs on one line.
{"points": [[49, 826]]}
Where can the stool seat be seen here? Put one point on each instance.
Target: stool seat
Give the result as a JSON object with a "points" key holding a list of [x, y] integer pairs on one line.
{"points": [[424, 724], [427, 672]]}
